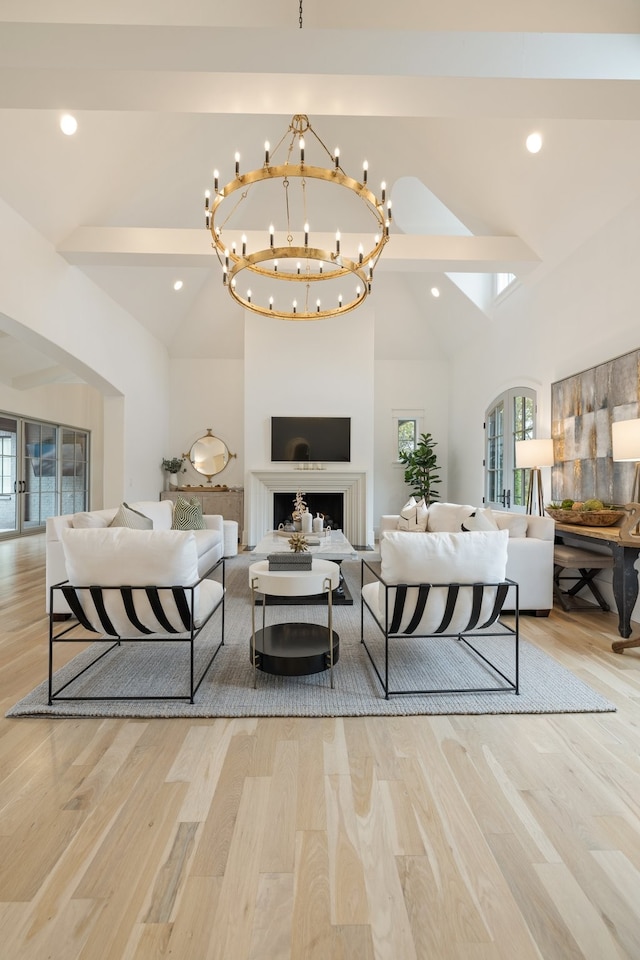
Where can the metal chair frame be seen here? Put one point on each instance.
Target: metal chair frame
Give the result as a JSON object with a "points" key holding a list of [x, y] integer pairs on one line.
{"points": [[394, 608], [184, 597]]}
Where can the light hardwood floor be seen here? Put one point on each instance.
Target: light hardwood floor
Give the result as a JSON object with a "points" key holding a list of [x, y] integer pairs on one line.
{"points": [[470, 838]]}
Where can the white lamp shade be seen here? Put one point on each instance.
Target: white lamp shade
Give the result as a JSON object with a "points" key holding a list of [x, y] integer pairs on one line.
{"points": [[625, 439], [534, 453]]}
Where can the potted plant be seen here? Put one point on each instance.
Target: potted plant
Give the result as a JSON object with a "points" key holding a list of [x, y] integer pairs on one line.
{"points": [[173, 466], [421, 469]]}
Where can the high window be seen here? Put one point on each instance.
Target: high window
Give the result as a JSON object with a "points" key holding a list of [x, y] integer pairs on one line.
{"points": [[407, 426]]}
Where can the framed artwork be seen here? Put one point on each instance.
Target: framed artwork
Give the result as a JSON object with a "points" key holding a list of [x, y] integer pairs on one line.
{"points": [[583, 407]]}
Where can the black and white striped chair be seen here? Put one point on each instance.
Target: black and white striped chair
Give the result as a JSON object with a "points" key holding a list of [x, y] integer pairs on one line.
{"points": [[135, 586], [441, 588]]}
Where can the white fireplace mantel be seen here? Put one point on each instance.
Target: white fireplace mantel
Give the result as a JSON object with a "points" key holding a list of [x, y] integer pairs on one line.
{"points": [[351, 483]]}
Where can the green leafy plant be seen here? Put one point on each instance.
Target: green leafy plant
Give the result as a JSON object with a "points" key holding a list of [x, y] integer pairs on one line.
{"points": [[421, 468], [173, 464]]}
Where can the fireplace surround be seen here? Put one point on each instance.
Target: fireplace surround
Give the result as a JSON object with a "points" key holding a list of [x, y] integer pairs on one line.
{"points": [[351, 484]]}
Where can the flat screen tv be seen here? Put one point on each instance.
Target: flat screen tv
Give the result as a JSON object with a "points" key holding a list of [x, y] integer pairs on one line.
{"points": [[311, 438]]}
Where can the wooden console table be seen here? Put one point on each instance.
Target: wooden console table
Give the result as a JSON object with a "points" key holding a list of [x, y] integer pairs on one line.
{"points": [[625, 576], [228, 503]]}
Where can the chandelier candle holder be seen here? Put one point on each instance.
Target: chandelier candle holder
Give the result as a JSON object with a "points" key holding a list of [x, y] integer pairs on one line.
{"points": [[297, 194]]}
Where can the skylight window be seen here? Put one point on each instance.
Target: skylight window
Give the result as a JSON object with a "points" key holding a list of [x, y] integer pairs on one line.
{"points": [[503, 280]]}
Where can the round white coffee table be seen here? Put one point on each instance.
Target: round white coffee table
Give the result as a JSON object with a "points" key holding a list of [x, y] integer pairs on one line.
{"points": [[294, 649]]}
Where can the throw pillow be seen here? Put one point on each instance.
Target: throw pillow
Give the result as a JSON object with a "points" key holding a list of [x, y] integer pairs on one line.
{"points": [[89, 520], [413, 516], [131, 519], [187, 514], [515, 523], [481, 519], [448, 517]]}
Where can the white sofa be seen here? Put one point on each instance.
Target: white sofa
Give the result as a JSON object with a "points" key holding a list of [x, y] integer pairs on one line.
{"points": [[529, 548], [209, 542]]}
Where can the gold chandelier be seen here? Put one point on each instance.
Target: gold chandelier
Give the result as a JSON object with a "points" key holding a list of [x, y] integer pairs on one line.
{"points": [[290, 276]]}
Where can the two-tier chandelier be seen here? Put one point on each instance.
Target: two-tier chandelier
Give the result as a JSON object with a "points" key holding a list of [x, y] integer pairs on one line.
{"points": [[287, 269]]}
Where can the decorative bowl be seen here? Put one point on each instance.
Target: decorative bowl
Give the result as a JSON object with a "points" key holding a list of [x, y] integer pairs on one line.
{"points": [[586, 518]]}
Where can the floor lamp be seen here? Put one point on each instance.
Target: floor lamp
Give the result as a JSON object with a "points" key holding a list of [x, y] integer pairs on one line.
{"points": [[531, 455], [625, 446]]}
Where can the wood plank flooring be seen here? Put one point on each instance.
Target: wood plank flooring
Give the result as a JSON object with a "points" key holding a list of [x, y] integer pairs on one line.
{"points": [[409, 838]]}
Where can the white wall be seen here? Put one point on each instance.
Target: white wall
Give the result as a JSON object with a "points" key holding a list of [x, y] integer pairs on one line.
{"points": [[411, 373], [323, 368], [583, 313], [54, 307], [207, 393]]}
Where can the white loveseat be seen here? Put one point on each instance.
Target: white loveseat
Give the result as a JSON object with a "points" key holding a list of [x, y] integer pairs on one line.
{"points": [[209, 542], [529, 547]]}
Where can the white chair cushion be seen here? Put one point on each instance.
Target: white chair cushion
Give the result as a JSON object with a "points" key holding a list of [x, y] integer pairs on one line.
{"points": [[118, 556], [448, 517], [441, 558], [475, 557]]}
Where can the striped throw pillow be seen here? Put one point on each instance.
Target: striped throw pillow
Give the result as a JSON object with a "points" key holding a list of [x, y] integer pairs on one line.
{"points": [[187, 514], [131, 519]]}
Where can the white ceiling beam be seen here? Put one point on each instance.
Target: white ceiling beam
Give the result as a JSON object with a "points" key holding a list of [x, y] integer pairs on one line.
{"points": [[364, 51], [147, 246], [544, 15], [261, 94]]}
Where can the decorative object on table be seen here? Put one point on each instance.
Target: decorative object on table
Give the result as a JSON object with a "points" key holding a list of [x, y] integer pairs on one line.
{"points": [[590, 513], [625, 444], [298, 559], [531, 455], [421, 468], [173, 466], [299, 507], [298, 543], [306, 522], [318, 523], [287, 263]]}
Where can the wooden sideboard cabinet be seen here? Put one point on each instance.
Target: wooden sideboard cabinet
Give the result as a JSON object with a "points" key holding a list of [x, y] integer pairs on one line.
{"points": [[228, 503]]}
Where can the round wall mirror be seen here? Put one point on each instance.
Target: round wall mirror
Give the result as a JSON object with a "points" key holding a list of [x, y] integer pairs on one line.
{"points": [[209, 455]]}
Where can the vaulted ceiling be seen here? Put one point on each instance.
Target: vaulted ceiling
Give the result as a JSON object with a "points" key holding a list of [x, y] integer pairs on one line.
{"points": [[438, 97]]}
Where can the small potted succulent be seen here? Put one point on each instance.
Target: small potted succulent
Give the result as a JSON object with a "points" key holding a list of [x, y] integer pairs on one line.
{"points": [[173, 466]]}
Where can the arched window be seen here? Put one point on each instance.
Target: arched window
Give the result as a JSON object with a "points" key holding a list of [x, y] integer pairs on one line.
{"points": [[510, 417]]}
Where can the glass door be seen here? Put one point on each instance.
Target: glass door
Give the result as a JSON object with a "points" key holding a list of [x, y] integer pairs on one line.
{"points": [[511, 417], [9, 483], [44, 472], [40, 457]]}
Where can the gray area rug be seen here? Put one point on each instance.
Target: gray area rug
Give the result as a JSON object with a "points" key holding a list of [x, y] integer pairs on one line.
{"points": [[227, 690]]}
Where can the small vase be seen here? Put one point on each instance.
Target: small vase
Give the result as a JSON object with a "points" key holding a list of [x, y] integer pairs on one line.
{"points": [[318, 523], [307, 522], [173, 481]]}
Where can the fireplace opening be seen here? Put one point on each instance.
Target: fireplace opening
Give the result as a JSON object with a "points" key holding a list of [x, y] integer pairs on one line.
{"points": [[328, 505]]}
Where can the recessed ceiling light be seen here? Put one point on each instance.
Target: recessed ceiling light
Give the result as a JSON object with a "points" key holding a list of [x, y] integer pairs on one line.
{"points": [[534, 142], [68, 124], [178, 285], [435, 292]]}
